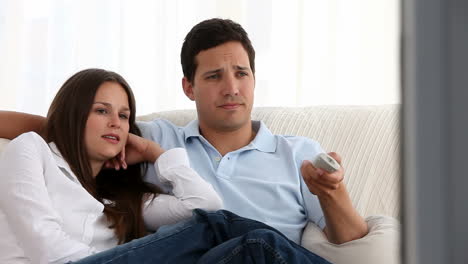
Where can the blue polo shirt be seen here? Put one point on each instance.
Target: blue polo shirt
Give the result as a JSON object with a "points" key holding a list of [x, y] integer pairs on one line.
{"points": [[261, 181]]}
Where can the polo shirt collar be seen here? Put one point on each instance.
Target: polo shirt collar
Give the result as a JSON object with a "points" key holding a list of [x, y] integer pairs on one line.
{"points": [[191, 130], [264, 140]]}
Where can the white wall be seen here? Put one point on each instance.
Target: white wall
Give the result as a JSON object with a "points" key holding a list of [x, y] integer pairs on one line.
{"points": [[309, 52]]}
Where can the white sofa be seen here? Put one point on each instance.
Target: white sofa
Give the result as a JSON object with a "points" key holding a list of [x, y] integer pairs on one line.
{"points": [[367, 137]]}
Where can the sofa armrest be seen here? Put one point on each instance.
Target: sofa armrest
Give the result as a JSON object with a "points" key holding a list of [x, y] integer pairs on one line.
{"points": [[380, 245]]}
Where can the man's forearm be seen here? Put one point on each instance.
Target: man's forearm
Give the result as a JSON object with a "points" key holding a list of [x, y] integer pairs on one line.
{"points": [[14, 124], [343, 222]]}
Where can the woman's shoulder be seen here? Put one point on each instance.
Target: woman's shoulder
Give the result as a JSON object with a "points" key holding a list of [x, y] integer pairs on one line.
{"points": [[28, 137], [28, 140], [24, 150]]}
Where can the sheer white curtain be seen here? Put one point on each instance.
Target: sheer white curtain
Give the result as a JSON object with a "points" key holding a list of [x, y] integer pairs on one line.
{"points": [[309, 52]]}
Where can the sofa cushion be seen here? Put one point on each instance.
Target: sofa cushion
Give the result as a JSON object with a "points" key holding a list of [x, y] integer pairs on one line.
{"points": [[381, 245]]}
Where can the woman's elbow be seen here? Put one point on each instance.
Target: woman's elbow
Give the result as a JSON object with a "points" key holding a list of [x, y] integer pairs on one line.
{"points": [[212, 203], [209, 201]]}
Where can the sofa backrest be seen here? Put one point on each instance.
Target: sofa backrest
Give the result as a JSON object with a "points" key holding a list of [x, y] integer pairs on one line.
{"points": [[3, 143], [367, 137]]}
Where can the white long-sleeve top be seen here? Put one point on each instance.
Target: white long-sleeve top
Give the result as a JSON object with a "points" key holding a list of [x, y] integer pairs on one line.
{"points": [[48, 217]]}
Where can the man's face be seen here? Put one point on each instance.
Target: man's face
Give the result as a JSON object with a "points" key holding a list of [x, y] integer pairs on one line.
{"points": [[223, 87]]}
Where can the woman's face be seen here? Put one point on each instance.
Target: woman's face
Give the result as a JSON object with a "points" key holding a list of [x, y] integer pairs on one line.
{"points": [[107, 127]]}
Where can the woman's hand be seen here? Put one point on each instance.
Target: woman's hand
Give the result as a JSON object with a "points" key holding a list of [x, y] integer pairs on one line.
{"points": [[137, 149]]}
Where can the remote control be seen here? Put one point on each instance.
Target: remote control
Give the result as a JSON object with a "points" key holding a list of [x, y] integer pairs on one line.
{"points": [[326, 162]]}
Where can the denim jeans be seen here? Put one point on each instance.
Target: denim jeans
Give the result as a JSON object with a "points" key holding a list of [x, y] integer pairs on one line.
{"points": [[209, 237]]}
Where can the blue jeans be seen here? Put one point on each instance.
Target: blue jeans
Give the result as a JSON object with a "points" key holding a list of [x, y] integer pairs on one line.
{"points": [[209, 237]]}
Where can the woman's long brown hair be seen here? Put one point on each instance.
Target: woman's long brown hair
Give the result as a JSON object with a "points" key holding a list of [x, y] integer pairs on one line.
{"points": [[121, 192]]}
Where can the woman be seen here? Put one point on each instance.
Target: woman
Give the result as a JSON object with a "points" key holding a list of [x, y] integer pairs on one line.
{"points": [[62, 206]]}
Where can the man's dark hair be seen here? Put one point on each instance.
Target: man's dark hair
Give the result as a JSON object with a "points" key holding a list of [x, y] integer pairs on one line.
{"points": [[208, 34]]}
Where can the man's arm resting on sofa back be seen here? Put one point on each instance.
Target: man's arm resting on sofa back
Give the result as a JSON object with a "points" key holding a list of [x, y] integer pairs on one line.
{"points": [[14, 124]]}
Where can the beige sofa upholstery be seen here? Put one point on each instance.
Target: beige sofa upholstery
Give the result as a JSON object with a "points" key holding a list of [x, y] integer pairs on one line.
{"points": [[367, 137]]}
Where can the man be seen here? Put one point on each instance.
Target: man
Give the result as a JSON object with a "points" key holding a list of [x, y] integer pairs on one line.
{"points": [[258, 175]]}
